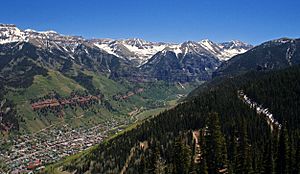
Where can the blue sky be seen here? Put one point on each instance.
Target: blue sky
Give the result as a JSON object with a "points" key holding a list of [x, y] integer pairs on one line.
{"points": [[253, 21]]}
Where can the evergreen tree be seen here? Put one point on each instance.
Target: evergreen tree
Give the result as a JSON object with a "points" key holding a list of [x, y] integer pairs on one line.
{"points": [[233, 152], [282, 164], [268, 161], [244, 162], [216, 152], [182, 157]]}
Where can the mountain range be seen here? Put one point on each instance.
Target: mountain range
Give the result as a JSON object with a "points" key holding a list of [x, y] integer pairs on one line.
{"points": [[140, 60], [135, 49]]}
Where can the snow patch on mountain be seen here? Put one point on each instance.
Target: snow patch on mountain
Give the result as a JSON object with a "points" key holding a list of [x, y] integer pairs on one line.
{"points": [[225, 51], [106, 48]]}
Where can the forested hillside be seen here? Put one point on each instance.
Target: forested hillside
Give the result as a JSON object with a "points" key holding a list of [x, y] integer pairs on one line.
{"points": [[215, 132]]}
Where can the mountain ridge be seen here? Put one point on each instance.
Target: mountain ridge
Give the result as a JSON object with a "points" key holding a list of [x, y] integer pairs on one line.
{"points": [[134, 49]]}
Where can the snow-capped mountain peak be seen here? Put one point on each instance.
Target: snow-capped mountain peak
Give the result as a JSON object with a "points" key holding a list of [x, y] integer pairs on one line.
{"points": [[137, 50]]}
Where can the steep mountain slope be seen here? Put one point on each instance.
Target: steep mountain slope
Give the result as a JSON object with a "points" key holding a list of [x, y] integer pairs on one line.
{"points": [[165, 142], [270, 55]]}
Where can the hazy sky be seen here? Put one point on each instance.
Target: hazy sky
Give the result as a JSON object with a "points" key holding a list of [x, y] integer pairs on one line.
{"points": [[253, 21]]}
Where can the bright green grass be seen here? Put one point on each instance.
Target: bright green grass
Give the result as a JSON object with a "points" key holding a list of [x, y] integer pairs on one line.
{"points": [[54, 81], [106, 85]]}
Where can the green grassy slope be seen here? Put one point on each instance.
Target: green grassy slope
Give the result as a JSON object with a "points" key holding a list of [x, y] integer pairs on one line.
{"points": [[41, 86], [154, 98]]}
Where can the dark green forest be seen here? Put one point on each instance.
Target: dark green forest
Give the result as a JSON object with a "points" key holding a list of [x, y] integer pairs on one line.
{"points": [[214, 132]]}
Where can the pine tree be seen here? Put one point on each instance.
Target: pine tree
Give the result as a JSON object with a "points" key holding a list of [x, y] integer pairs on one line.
{"points": [[282, 165], [216, 153], [233, 151], [182, 157], [268, 161], [244, 160]]}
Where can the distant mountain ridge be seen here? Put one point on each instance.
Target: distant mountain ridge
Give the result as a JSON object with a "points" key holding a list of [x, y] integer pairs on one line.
{"points": [[135, 50]]}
